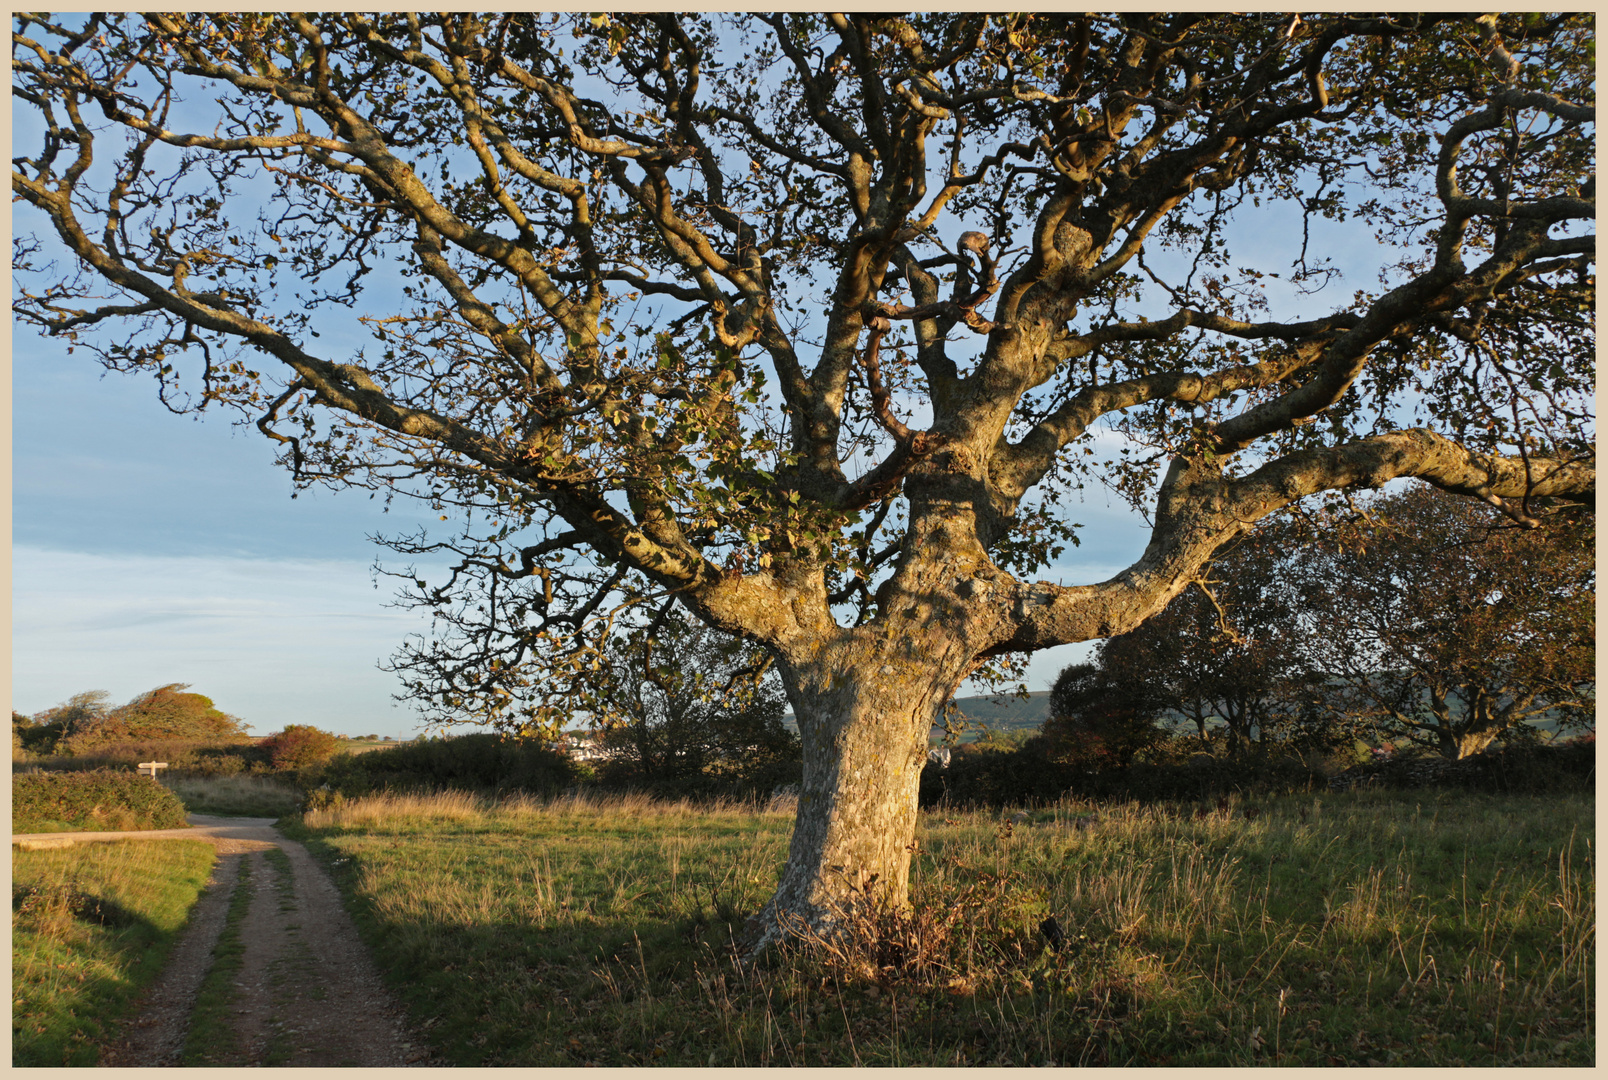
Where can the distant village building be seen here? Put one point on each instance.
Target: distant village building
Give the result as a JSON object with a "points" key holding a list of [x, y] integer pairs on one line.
{"points": [[582, 745]]}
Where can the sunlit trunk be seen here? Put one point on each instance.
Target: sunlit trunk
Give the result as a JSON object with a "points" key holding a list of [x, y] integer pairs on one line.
{"points": [[865, 710], [1469, 743], [1474, 731]]}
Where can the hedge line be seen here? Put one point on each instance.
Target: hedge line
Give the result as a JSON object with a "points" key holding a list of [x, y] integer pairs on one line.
{"points": [[1024, 776], [479, 762], [98, 800], [1520, 769], [185, 757], [497, 765]]}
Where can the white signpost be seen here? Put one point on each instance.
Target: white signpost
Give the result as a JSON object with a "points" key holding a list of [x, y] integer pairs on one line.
{"points": [[148, 768]]}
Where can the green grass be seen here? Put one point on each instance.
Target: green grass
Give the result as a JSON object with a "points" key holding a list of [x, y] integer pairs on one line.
{"points": [[242, 796], [1405, 929], [91, 927], [210, 1039]]}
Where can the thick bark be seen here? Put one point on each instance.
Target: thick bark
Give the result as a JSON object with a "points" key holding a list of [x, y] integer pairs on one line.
{"points": [[1482, 721], [1458, 745], [865, 707]]}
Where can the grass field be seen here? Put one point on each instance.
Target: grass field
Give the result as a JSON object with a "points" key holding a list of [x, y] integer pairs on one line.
{"points": [[244, 796], [91, 927], [1408, 929]]}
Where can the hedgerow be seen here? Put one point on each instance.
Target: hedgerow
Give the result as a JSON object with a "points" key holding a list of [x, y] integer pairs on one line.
{"points": [[477, 762], [102, 799]]}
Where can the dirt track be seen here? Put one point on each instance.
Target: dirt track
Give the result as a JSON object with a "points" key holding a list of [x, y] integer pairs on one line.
{"points": [[307, 993]]}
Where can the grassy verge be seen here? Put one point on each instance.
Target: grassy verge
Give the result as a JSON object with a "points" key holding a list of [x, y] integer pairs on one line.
{"points": [[91, 928], [1426, 928], [245, 796], [210, 1039]]}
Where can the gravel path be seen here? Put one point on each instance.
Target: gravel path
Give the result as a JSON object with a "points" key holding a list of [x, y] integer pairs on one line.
{"points": [[307, 993]]}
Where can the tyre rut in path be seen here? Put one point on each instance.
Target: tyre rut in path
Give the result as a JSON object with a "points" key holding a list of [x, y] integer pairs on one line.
{"points": [[306, 993]]}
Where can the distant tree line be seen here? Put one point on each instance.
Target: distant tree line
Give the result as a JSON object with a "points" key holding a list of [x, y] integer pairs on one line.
{"points": [[169, 723], [677, 708], [89, 721], [1412, 620]]}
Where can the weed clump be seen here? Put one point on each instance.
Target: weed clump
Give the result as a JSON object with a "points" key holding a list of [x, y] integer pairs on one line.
{"points": [[958, 940]]}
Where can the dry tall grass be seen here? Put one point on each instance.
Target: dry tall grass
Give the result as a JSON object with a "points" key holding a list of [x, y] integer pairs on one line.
{"points": [[245, 796], [397, 810], [1232, 934]]}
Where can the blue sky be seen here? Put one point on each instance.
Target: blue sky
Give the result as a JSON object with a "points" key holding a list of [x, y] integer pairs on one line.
{"points": [[151, 548]]}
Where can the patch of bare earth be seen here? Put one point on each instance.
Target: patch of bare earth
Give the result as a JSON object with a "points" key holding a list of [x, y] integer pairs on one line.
{"points": [[307, 993]]}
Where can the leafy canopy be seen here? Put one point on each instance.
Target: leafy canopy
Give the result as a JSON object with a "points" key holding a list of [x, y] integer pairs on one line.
{"points": [[774, 313]]}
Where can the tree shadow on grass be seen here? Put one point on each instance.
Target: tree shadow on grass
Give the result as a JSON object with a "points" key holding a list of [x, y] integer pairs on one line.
{"points": [[63, 1021]]}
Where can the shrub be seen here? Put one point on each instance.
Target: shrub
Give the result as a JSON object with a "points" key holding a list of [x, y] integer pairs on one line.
{"points": [[33, 736], [103, 799], [300, 746], [185, 757], [479, 762], [1170, 771], [168, 712], [1521, 768], [733, 777]]}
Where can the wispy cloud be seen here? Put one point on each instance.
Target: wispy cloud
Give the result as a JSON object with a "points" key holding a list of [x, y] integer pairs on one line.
{"points": [[274, 641]]}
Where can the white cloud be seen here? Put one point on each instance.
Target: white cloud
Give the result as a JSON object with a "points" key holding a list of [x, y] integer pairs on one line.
{"points": [[274, 641]]}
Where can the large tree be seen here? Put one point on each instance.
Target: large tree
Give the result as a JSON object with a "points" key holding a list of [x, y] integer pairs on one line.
{"points": [[1224, 651], [1446, 625], [815, 321]]}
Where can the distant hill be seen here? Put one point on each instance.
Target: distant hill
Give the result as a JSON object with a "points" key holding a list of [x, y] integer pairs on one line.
{"points": [[1005, 712], [1002, 712]]}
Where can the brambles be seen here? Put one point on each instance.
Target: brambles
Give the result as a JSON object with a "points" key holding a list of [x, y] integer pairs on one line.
{"points": [[98, 800]]}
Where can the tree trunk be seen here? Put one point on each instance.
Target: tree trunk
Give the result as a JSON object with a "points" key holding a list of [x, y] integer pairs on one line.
{"points": [[1478, 727], [865, 710], [1469, 743], [1483, 721]]}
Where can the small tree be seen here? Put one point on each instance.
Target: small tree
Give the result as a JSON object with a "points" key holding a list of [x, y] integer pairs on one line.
{"points": [[1223, 650], [681, 700], [301, 745], [80, 714], [35, 734], [167, 712], [1097, 715], [1448, 625]]}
